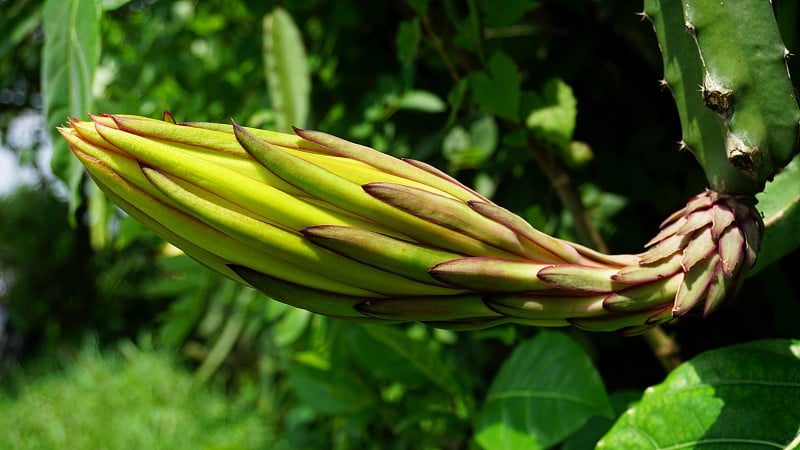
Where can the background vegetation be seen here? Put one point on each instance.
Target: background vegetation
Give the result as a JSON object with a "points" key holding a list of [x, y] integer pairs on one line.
{"points": [[552, 108]]}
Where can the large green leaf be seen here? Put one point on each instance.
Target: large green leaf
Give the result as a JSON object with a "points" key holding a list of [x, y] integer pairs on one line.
{"points": [[553, 114], [545, 391], [498, 90], [286, 68], [70, 54], [598, 426], [780, 205], [390, 352], [743, 397], [330, 392]]}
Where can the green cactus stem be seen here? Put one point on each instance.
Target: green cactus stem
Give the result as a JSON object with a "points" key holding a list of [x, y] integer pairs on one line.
{"points": [[725, 63]]}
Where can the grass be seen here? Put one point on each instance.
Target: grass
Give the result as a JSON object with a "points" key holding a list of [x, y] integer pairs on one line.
{"points": [[128, 399]]}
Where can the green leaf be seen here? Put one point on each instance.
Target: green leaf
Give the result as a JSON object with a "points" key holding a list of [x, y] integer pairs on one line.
{"points": [[780, 205], [329, 392], [179, 275], [744, 397], [18, 26], [291, 326], [553, 114], [598, 426], [423, 101], [381, 363], [498, 90], [483, 133], [69, 57], [110, 5], [408, 38], [393, 354], [180, 318], [455, 98], [226, 340], [544, 392], [468, 149], [99, 214], [286, 69]]}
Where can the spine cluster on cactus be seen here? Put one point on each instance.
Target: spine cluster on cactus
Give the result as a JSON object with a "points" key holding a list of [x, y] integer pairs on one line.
{"points": [[344, 230]]}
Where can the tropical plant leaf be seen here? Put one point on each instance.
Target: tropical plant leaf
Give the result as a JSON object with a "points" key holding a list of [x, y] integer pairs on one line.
{"points": [[780, 205], [409, 36], [329, 392], [744, 397], [498, 91], [286, 69], [553, 114], [229, 333], [471, 149], [392, 353], [423, 101], [69, 57], [291, 326], [598, 426], [110, 5], [544, 392]]}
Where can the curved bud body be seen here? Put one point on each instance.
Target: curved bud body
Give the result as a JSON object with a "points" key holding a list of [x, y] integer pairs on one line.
{"points": [[346, 231]]}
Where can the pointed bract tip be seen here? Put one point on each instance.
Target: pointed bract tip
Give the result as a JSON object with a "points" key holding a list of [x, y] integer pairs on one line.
{"points": [[246, 139], [167, 116], [239, 130]]}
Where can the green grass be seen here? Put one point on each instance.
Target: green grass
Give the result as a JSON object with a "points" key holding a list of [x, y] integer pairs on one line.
{"points": [[131, 399]]}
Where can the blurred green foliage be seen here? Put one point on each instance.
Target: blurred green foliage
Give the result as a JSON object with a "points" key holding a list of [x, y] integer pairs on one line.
{"points": [[56, 287], [499, 95], [126, 399]]}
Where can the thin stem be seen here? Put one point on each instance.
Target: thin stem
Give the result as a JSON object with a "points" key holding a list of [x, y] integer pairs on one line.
{"points": [[437, 45], [476, 28], [568, 194], [663, 346]]}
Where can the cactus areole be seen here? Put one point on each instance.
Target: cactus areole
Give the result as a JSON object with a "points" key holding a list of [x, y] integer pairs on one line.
{"points": [[346, 231]]}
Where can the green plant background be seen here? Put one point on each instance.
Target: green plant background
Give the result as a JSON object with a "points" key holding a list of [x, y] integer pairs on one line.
{"points": [[501, 95]]}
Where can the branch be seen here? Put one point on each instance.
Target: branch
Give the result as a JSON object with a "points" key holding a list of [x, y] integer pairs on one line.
{"points": [[437, 45]]}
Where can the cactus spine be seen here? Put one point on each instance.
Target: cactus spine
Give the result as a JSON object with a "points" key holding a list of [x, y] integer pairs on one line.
{"points": [[726, 66]]}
